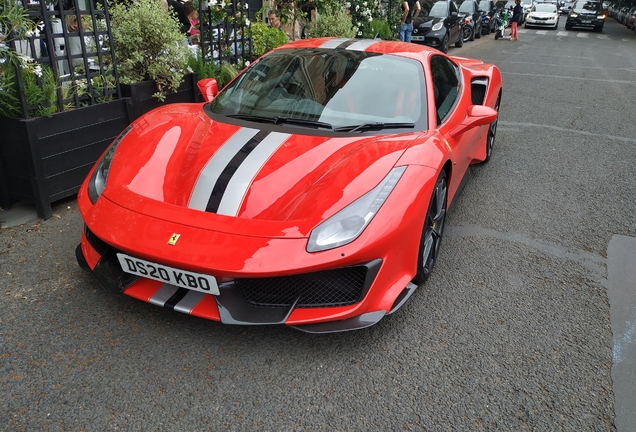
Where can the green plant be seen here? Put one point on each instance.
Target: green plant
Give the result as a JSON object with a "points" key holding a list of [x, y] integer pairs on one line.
{"points": [[335, 22], [14, 25], [381, 28], [41, 95], [362, 13], [149, 45], [222, 73], [265, 38]]}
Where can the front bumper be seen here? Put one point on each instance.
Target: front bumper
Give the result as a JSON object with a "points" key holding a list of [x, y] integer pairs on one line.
{"points": [[249, 301], [585, 21], [539, 22]]}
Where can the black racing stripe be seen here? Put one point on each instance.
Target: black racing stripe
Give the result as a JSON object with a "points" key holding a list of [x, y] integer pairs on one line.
{"points": [[344, 45], [230, 169], [176, 298]]}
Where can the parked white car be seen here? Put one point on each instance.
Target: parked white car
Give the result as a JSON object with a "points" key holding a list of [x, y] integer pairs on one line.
{"points": [[543, 15]]}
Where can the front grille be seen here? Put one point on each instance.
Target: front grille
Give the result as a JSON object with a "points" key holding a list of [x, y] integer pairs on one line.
{"points": [[338, 287], [421, 31]]}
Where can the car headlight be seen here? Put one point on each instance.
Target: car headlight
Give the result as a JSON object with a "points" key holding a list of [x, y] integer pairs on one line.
{"points": [[346, 225], [97, 182], [438, 26], [574, 15], [600, 17]]}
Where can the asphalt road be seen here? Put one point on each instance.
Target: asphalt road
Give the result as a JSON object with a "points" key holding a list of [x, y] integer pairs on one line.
{"points": [[511, 332]]}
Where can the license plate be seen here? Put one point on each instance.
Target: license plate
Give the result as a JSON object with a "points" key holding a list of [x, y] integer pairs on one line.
{"points": [[170, 275], [586, 22], [417, 38]]}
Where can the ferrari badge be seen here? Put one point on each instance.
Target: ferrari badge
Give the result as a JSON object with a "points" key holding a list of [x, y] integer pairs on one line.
{"points": [[173, 239]]}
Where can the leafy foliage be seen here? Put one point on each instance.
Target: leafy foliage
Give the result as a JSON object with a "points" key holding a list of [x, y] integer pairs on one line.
{"points": [[265, 38], [335, 22], [223, 73], [149, 45]]}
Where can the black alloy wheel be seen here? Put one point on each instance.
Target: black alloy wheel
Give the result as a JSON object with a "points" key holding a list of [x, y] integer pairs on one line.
{"points": [[433, 230], [492, 132], [444, 45], [467, 33]]}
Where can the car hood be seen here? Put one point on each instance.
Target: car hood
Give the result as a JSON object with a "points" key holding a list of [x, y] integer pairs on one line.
{"points": [[427, 22], [581, 11], [543, 14], [179, 157]]}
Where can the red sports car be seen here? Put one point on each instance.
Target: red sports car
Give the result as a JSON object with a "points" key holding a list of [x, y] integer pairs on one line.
{"points": [[311, 192]]}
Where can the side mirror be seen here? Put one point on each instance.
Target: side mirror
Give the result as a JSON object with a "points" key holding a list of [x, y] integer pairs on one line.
{"points": [[476, 115], [208, 88]]}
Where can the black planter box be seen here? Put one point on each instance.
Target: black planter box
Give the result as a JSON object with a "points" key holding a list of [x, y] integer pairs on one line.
{"points": [[46, 159], [143, 101]]}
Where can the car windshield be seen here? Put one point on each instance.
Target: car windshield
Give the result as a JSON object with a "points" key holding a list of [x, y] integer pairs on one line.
{"points": [[439, 10], [467, 7], [587, 6], [332, 88], [545, 7]]}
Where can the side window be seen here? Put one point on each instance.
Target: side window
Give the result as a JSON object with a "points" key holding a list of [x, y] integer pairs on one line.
{"points": [[446, 84]]}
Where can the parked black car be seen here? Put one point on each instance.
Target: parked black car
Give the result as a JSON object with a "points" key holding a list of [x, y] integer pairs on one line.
{"points": [[586, 13], [440, 27], [489, 15], [472, 19]]}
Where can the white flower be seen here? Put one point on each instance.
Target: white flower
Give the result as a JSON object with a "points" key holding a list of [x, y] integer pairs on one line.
{"points": [[357, 7], [28, 33], [247, 22], [360, 33], [364, 4], [38, 70], [246, 6], [247, 63], [370, 19]]}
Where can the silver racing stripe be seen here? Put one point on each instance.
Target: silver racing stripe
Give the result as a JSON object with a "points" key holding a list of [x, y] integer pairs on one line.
{"points": [[215, 166], [244, 175], [333, 43], [163, 295], [361, 45], [189, 301]]}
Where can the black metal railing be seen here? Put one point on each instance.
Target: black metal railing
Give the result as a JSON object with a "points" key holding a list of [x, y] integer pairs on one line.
{"points": [[224, 32], [75, 41]]}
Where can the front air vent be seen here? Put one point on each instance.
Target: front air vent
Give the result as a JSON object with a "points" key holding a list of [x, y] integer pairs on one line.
{"points": [[478, 88]]}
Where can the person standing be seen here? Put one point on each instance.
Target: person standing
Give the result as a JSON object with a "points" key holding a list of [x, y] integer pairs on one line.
{"points": [[406, 30], [517, 14]]}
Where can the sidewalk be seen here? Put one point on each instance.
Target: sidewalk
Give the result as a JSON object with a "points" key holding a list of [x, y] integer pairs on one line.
{"points": [[19, 214]]}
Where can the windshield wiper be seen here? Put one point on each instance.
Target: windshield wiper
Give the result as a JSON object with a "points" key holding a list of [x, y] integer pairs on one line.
{"points": [[302, 122], [283, 120], [373, 126]]}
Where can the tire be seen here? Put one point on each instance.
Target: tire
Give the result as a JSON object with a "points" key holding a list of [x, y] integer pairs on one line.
{"points": [[568, 27], [497, 35], [460, 41], [468, 34], [492, 132], [433, 230], [444, 45]]}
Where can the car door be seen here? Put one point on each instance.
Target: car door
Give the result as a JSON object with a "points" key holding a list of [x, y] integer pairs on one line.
{"points": [[454, 22], [451, 108]]}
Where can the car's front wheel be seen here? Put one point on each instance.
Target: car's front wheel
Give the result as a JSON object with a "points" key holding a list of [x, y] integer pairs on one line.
{"points": [[433, 230], [444, 45]]}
